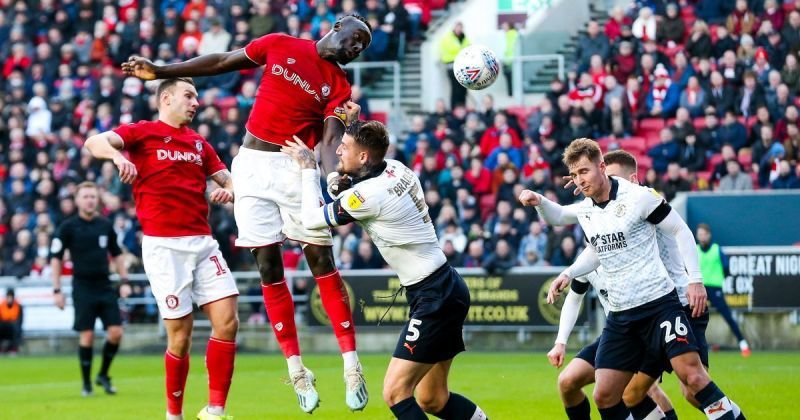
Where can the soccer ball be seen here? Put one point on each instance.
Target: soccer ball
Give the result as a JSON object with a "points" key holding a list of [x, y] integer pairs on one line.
{"points": [[476, 67]]}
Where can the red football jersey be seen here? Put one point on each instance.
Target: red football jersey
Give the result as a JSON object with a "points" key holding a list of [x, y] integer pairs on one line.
{"points": [[298, 90], [173, 164]]}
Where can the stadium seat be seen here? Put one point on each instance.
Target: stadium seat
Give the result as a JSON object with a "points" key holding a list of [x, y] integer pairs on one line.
{"points": [[746, 160], [714, 160], [487, 204], [699, 123], [634, 145], [650, 125], [651, 142], [379, 116], [604, 143]]}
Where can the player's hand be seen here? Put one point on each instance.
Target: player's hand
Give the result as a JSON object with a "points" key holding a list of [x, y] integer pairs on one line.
{"points": [[300, 153], [127, 170], [571, 184], [140, 67], [556, 355], [529, 198], [221, 196], [338, 183], [351, 110], [58, 299], [556, 287], [696, 293]]}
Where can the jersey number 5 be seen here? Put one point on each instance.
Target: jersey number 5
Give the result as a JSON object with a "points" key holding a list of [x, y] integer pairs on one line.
{"points": [[679, 328], [413, 332], [220, 269]]}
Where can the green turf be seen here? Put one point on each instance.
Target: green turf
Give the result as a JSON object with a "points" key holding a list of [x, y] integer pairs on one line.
{"points": [[505, 385]]}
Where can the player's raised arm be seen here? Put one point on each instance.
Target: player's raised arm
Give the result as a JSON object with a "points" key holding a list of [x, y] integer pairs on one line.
{"points": [[552, 213], [107, 145], [204, 65]]}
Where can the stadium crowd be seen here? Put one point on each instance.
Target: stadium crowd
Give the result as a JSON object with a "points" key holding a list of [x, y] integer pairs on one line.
{"points": [[704, 96]]}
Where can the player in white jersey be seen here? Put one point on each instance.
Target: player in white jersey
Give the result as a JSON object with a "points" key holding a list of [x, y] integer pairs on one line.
{"points": [[643, 388], [387, 201], [620, 219]]}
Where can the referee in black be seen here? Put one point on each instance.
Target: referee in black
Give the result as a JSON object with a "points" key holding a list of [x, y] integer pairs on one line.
{"points": [[90, 238]]}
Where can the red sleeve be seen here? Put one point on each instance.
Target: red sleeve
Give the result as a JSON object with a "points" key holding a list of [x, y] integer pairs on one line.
{"points": [[341, 94], [258, 48], [211, 163], [131, 133]]}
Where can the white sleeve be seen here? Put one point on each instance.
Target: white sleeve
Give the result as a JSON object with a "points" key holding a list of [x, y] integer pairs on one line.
{"points": [[556, 214], [673, 225], [569, 315], [312, 211], [586, 262]]}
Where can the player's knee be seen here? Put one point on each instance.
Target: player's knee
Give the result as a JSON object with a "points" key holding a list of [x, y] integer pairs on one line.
{"points": [[604, 398], [568, 382], [695, 380], [395, 391], [433, 402], [179, 343], [114, 334], [86, 338], [320, 259], [270, 273], [229, 327]]}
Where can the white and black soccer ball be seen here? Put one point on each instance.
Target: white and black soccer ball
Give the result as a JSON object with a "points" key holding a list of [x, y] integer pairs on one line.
{"points": [[476, 67]]}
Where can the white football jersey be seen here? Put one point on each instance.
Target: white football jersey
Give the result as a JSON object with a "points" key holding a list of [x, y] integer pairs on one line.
{"points": [[598, 282], [391, 208], [622, 232], [673, 262]]}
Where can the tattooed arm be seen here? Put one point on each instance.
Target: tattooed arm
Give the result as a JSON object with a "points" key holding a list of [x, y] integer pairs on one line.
{"points": [[224, 194], [301, 153]]}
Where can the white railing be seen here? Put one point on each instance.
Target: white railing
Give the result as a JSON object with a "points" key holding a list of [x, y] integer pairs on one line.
{"points": [[394, 66], [518, 76]]}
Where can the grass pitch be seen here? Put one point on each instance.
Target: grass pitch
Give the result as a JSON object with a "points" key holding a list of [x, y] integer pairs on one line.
{"points": [[505, 385]]}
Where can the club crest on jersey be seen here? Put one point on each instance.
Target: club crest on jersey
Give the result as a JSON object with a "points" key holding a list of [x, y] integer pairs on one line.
{"points": [[167, 139], [355, 200], [102, 240], [619, 211], [290, 60], [198, 145], [172, 301], [326, 90]]}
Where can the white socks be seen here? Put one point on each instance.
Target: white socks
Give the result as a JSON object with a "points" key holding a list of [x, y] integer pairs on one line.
{"points": [[295, 364], [350, 359]]}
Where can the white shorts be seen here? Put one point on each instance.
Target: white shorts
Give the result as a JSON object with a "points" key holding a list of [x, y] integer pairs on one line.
{"points": [[183, 270], [267, 187]]}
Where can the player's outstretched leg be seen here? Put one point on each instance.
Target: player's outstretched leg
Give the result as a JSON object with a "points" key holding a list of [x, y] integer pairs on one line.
{"points": [[279, 306], [608, 390], [572, 379], [435, 397], [402, 376], [176, 363], [85, 354], [220, 356], [113, 337], [714, 403], [336, 302]]}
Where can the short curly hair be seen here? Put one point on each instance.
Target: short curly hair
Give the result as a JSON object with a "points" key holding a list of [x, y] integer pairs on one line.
{"points": [[372, 136], [579, 148]]}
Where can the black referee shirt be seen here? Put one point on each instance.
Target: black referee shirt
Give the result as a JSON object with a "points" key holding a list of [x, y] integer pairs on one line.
{"points": [[89, 242]]}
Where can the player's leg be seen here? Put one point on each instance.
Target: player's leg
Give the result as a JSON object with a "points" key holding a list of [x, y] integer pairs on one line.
{"points": [[85, 316], [402, 376], [221, 351], [619, 354], [662, 400], [176, 363], [577, 374], [85, 355], [112, 320], [434, 396], [608, 390], [639, 400], [717, 299]]}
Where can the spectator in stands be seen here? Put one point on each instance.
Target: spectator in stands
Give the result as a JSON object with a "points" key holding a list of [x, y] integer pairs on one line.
{"points": [[585, 89], [454, 257], [709, 135], [671, 29], [699, 44], [617, 120], [732, 71], [735, 179], [367, 256], [762, 118], [742, 20], [613, 27], [786, 178], [501, 259], [767, 153], [566, 253], [418, 130], [674, 182], [644, 27], [479, 177], [750, 97], [664, 153], [489, 111], [612, 90], [780, 103], [790, 73], [475, 254], [379, 47], [593, 43], [635, 98], [693, 98], [10, 323], [792, 143], [711, 11], [491, 137], [397, 16], [791, 32], [593, 115], [507, 148], [664, 95], [215, 40], [732, 131], [693, 155], [449, 47], [533, 246], [682, 127], [577, 128]]}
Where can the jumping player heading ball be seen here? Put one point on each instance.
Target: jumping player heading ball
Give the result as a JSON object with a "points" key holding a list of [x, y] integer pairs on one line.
{"points": [[303, 92]]}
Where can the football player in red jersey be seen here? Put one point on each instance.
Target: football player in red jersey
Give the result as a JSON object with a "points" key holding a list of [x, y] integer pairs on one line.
{"points": [[168, 167], [303, 92]]}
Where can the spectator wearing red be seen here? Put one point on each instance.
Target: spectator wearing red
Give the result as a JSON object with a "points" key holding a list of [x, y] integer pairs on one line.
{"points": [[613, 27], [790, 117], [491, 137], [742, 20], [623, 64], [635, 98], [586, 89], [693, 98], [597, 69], [761, 66], [19, 60], [534, 162], [196, 6], [774, 13], [479, 177], [191, 35]]}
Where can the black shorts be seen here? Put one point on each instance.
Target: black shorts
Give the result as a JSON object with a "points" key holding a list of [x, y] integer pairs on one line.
{"points": [[438, 307], [653, 364], [93, 302], [589, 353], [659, 327]]}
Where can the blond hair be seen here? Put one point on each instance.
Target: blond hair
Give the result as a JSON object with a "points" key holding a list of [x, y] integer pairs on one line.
{"points": [[582, 147]]}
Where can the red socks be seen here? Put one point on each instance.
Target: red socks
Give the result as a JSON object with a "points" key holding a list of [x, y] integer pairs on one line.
{"points": [[280, 311], [337, 306], [177, 370], [219, 362]]}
